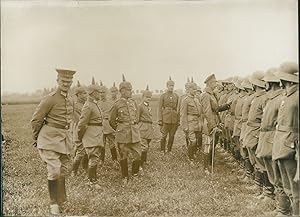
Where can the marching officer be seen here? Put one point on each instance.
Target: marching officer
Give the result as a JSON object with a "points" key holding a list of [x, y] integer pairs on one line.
{"points": [[124, 119], [90, 132], [168, 116], [145, 124], [210, 110], [51, 131], [108, 132], [286, 140], [191, 120], [80, 154], [253, 127]]}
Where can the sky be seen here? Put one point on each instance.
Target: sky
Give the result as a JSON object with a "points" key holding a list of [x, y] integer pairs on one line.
{"points": [[147, 41]]}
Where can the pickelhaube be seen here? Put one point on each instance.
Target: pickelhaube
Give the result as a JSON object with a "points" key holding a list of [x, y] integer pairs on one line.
{"points": [[79, 89], [170, 81], [187, 83], [114, 88], [93, 87], [124, 84], [147, 92], [102, 88]]}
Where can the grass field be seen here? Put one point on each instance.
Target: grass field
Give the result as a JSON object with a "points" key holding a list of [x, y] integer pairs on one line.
{"points": [[169, 187]]}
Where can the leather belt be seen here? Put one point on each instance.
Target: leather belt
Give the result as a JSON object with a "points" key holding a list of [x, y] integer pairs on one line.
{"points": [[66, 127], [287, 128], [95, 124], [169, 108], [195, 115], [127, 123], [147, 122]]}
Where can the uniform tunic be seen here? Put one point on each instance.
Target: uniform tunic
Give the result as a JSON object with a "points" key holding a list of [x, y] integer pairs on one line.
{"points": [[145, 121], [238, 114], [51, 123], [167, 109]]}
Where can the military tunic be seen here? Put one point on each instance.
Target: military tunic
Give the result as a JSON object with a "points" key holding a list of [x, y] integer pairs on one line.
{"points": [[145, 125], [167, 109], [245, 112], [238, 114]]}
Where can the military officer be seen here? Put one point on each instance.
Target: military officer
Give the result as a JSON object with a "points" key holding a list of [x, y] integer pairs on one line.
{"points": [[80, 154], [108, 132], [168, 116], [124, 119], [210, 110], [90, 132], [191, 120], [253, 127], [145, 124], [286, 139], [51, 131]]}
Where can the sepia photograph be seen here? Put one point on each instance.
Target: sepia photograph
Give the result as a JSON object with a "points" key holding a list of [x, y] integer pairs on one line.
{"points": [[149, 108]]}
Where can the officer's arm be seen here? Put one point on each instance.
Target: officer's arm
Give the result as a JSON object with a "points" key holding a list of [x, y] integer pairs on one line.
{"points": [[113, 117], [160, 106], [223, 107], [84, 120], [39, 116], [139, 112], [183, 115], [208, 112]]}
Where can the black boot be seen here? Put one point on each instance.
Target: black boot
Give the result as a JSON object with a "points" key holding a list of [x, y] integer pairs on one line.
{"points": [[163, 144], [191, 152], [124, 168], [92, 174], [284, 204], [135, 167], [75, 167], [85, 162], [205, 161], [52, 187], [143, 158], [102, 154], [170, 143], [61, 190], [114, 154]]}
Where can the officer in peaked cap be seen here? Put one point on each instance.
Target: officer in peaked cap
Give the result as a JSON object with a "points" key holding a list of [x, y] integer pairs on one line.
{"points": [[51, 131], [124, 119], [253, 126], [145, 124], [285, 150], [168, 116], [211, 108], [108, 132], [80, 153], [114, 92], [90, 132]]}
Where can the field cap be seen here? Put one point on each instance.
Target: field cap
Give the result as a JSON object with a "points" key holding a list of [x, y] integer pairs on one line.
{"points": [[93, 87], [79, 89], [238, 84], [270, 75], [288, 71], [124, 84], [210, 78], [256, 79], [65, 74], [147, 92], [170, 81]]}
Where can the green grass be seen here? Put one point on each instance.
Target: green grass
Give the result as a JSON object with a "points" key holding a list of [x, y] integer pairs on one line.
{"points": [[169, 187]]}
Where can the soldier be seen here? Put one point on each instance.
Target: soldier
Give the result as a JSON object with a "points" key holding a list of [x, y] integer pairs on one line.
{"points": [[145, 124], [114, 92], [253, 126], [124, 119], [286, 139], [210, 110], [238, 120], [80, 154], [90, 132], [181, 98], [191, 120], [51, 131], [168, 117], [108, 132], [267, 131]]}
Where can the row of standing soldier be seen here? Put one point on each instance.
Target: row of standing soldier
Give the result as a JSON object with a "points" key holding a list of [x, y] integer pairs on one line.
{"points": [[214, 115]]}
